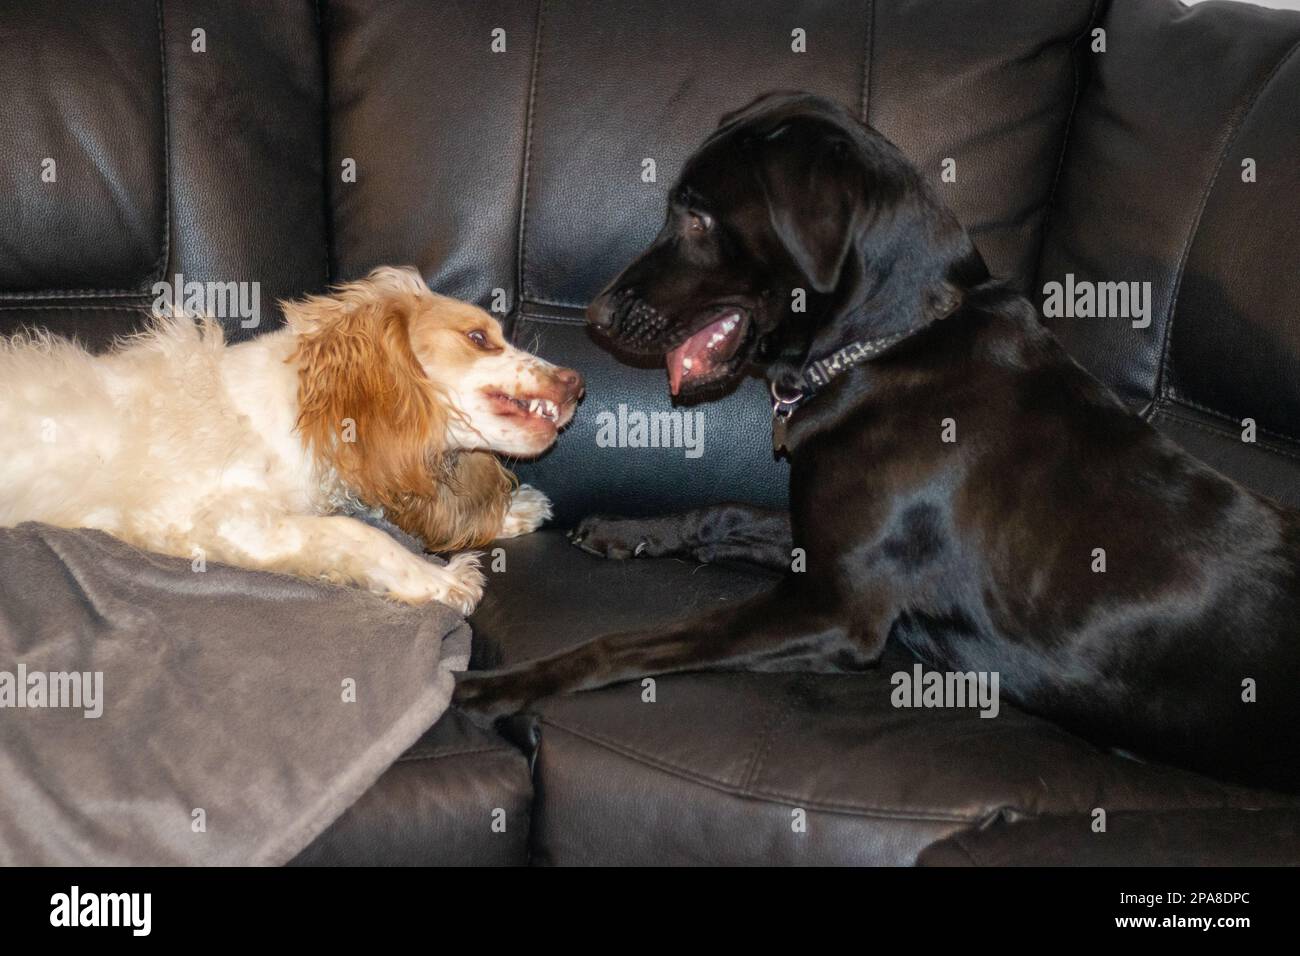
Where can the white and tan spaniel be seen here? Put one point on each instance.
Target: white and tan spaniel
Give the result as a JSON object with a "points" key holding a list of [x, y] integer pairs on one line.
{"points": [[381, 395]]}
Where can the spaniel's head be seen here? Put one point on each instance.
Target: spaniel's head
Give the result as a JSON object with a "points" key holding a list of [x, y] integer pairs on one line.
{"points": [[395, 380], [505, 399]]}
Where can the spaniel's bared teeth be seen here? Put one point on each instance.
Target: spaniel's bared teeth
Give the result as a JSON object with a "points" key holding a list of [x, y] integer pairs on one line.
{"points": [[539, 407]]}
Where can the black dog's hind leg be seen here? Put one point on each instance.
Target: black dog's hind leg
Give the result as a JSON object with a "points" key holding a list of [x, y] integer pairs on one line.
{"points": [[780, 630], [730, 532]]}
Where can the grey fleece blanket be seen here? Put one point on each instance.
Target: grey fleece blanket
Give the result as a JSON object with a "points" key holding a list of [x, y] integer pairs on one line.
{"points": [[151, 714]]}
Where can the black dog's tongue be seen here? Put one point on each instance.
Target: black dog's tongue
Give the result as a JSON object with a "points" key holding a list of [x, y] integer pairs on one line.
{"points": [[701, 353]]}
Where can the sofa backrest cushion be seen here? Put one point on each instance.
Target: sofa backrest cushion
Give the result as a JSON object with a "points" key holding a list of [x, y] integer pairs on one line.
{"points": [[173, 152], [1183, 171], [83, 177]]}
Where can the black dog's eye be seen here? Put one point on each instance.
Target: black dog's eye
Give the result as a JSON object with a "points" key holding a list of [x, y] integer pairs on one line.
{"points": [[698, 223]]}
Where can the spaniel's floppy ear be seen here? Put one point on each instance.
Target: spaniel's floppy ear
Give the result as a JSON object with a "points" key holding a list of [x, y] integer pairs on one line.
{"points": [[468, 508], [813, 188], [365, 406]]}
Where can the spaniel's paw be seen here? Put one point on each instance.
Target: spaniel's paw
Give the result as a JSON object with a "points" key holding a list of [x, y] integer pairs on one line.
{"points": [[465, 589], [458, 584], [620, 538], [529, 508]]}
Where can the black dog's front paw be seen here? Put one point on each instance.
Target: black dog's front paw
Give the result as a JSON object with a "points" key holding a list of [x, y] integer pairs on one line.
{"points": [[620, 538]]}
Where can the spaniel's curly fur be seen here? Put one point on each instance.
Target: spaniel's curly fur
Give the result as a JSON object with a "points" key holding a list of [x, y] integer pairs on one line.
{"points": [[380, 397]]}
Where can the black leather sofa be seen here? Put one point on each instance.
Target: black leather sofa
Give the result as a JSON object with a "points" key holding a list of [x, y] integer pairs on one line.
{"points": [[501, 146]]}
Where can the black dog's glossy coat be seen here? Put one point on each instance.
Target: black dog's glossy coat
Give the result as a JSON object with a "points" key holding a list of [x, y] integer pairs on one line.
{"points": [[979, 553]]}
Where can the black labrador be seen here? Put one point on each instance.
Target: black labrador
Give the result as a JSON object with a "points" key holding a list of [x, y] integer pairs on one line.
{"points": [[957, 482]]}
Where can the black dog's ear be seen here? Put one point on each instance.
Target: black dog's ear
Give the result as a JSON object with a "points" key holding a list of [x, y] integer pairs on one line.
{"points": [[814, 196]]}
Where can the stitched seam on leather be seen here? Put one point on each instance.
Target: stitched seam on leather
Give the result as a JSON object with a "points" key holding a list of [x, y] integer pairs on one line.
{"points": [[74, 294], [412, 758], [521, 257], [142, 309], [1020, 223], [327, 182], [1161, 389], [532, 300], [165, 255], [549, 319], [774, 715], [864, 106], [158, 267], [1174, 399], [1223, 433], [771, 796], [958, 839], [1065, 141], [770, 733]]}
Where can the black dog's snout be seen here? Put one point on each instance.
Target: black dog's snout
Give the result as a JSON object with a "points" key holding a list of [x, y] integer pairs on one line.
{"points": [[626, 317], [600, 314], [608, 309]]}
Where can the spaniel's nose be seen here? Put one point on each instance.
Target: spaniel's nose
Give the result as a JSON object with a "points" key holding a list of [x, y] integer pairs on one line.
{"points": [[572, 382]]}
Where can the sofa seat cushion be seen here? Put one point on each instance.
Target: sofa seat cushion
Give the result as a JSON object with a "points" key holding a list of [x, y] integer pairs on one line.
{"points": [[777, 768], [802, 769], [460, 796], [544, 595]]}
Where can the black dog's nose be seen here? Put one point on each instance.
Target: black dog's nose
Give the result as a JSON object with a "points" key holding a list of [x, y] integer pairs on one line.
{"points": [[600, 314]]}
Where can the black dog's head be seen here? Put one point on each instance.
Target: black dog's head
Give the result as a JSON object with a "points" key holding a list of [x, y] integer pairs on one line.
{"points": [[792, 227]]}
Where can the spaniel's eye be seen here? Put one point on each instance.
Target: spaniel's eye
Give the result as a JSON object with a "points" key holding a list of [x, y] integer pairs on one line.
{"points": [[698, 223], [479, 338]]}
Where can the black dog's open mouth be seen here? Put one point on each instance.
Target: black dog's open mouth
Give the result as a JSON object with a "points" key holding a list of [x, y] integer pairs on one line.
{"points": [[710, 354]]}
